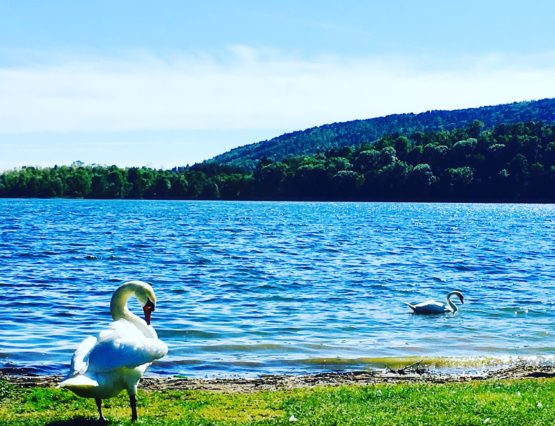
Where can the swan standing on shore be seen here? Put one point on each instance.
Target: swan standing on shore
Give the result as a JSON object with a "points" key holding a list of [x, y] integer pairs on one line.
{"points": [[431, 307], [103, 366]]}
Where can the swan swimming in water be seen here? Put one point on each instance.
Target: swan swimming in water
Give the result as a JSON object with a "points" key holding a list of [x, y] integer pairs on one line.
{"points": [[103, 366], [431, 307]]}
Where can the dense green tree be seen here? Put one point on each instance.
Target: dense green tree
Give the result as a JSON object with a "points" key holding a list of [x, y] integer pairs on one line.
{"points": [[310, 180], [421, 179], [178, 186], [388, 156], [236, 186], [435, 155], [457, 181], [475, 128], [139, 181], [392, 179], [366, 161], [346, 184], [270, 179], [402, 147], [78, 182]]}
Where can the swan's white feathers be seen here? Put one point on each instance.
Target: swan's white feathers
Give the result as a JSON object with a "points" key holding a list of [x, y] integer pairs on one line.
{"points": [[123, 345], [431, 304], [79, 382], [80, 359], [430, 307]]}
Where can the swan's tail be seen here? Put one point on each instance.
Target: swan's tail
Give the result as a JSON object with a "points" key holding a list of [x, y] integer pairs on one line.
{"points": [[78, 382], [410, 306]]}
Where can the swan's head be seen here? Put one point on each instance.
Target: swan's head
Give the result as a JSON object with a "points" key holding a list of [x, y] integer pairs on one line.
{"points": [[146, 297], [458, 294]]}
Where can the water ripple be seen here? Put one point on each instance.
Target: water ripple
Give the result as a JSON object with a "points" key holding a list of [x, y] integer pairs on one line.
{"points": [[251, 288]]}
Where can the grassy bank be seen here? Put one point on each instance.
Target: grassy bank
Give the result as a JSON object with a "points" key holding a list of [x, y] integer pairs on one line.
{"points": [[500, 402]]}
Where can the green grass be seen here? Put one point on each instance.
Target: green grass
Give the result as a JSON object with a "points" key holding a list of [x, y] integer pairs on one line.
{"points": [[513, 402]]}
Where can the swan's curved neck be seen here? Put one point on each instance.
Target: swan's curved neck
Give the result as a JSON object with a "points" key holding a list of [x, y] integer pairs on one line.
{"points": [[119, 310], [118, 304], [451, 304]]}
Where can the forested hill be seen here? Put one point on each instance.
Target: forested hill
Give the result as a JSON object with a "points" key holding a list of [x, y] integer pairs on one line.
{"points": [[353, 133], [509, 163]]}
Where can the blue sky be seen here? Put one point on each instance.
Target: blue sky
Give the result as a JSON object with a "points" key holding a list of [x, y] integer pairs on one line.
{"points": [[175, 82]]}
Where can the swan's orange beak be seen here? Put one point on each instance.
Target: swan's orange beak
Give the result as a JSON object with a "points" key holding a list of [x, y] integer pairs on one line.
{"points": [[148, 308]]}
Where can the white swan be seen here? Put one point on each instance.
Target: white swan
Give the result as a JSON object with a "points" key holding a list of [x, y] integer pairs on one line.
{"points": [[103, 366], [431, 307]]}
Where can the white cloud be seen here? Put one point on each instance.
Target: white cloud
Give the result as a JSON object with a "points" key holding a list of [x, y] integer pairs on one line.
{"points": [[252, 89]]}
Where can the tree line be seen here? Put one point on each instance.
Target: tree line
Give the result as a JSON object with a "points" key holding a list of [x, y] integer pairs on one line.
{"points": [[508, 163]]}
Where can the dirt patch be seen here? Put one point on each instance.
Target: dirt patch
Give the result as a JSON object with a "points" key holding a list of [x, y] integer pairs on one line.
{"points": [[275, 382]]}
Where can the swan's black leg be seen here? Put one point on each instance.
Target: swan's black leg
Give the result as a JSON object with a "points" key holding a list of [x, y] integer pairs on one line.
{"points": [[133, 404], [99, 406]]}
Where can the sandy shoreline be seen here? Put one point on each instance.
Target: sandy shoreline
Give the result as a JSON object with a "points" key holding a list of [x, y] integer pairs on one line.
{"points": [[276, 382]]}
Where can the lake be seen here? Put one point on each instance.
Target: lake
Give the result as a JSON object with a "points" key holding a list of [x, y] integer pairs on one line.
{"points": [[249, 288]]}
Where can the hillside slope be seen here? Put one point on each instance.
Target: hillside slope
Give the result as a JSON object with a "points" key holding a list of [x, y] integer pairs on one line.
{"points": [[323, 138]]}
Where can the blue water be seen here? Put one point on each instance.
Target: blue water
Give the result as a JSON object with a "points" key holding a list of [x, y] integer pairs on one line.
{"points": [[247, 288]]}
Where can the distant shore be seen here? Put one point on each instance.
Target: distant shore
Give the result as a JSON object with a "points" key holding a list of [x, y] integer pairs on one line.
{"points": [[281, 382], [509, 163]]}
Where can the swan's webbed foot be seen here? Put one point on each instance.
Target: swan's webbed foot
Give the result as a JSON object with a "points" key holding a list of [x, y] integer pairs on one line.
{"points": [[133, 404], [101, 418]]}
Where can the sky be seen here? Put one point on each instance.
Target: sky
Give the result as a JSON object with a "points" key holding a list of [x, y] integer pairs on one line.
{"points": [[170, 83]]}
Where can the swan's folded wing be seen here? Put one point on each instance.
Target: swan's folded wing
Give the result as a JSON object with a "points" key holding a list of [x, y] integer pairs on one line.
{"points": [[112, 354], [80, 359], [430, 303], [123, 345]]}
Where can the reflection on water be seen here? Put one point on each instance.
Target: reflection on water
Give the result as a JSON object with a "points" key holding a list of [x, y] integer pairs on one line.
{"points": [[252, 288]]}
